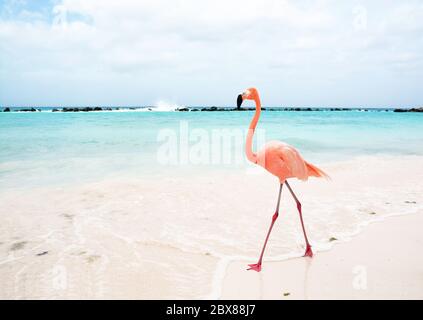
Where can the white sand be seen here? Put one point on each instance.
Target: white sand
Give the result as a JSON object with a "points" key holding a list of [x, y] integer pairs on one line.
{"points": [[145, 238], [384, 262]]}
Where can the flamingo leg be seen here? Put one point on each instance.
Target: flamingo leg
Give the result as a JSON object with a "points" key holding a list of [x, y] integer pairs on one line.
{"points": [[257, 266], [308, 252]]}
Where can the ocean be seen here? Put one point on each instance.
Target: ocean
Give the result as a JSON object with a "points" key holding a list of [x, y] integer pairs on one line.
{"points": [[41, 148]]}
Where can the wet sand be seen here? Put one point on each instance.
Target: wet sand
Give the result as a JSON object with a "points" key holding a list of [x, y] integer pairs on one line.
{"points": [[132, 238]]}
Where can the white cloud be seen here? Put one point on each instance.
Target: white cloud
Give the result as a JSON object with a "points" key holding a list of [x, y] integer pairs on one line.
{"points": [[138, 52]]}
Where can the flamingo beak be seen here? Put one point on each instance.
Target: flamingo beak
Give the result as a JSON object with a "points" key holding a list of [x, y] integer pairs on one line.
{"points": [[239, 101]]}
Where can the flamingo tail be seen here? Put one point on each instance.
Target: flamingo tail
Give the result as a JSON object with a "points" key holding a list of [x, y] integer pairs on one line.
{"points": [[314, 171]]}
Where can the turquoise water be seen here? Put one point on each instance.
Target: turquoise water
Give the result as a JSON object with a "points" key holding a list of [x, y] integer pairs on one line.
{"points": [[42, 148]]}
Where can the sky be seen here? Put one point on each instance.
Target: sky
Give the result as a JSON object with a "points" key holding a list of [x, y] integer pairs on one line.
{"points": [[148, 52]]}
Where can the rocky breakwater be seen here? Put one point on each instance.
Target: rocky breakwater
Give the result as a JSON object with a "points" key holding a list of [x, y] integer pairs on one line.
{"points": [[420, 109]]}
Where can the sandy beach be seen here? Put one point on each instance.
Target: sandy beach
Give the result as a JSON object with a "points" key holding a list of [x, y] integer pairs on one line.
{"points": [[384, 262], [130, 237]]}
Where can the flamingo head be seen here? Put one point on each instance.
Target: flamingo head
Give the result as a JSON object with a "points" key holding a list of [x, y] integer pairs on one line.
{"points": [[249, 94]]}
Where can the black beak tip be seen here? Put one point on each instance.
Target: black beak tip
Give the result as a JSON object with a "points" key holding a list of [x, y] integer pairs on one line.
{"points": [[239, 101]]}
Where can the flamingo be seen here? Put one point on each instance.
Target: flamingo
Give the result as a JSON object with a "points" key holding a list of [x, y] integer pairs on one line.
{"points": [[282, 161]]}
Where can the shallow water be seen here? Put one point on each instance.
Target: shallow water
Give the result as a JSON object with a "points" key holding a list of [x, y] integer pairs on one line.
{"points": [[63, 148]]}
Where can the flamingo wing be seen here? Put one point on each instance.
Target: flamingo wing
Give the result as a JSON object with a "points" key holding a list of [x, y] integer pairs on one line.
{"points": [[283, 161]]}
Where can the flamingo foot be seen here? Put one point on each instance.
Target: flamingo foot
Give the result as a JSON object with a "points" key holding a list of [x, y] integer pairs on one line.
{"points": [[255, 267], [309, 252]]}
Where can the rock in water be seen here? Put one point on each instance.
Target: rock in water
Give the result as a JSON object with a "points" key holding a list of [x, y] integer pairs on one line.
{"points": [[409, 110], [28, 110]]}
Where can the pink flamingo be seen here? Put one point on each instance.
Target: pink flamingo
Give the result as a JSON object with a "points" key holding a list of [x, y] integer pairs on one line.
{"points": [[281, 160]]}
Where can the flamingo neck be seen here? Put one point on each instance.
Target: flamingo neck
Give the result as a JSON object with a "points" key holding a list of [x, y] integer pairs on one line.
{"points": [[251, 156]]}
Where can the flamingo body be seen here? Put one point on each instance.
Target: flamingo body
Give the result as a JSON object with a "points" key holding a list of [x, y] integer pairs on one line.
{"points": [[283, 161]]}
